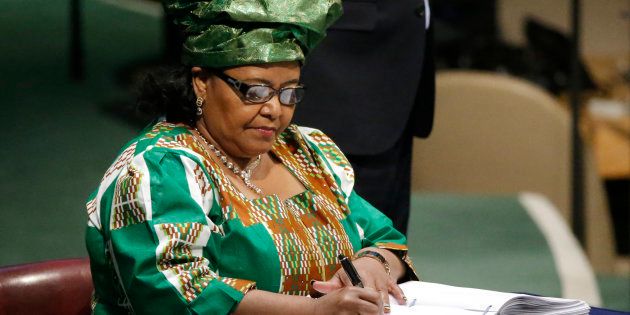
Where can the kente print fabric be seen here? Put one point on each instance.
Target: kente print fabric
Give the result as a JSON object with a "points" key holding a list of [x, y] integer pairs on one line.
{"points": [[168, 233]]}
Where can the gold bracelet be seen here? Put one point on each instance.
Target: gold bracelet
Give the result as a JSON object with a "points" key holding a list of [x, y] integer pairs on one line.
{"points": [[375, 255]]}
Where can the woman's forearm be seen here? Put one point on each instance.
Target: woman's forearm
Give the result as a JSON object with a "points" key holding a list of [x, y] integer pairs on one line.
{"points": [[264, 302]]}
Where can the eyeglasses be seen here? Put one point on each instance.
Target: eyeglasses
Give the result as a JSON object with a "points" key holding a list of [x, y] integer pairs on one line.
{"points": [[261, 93]]}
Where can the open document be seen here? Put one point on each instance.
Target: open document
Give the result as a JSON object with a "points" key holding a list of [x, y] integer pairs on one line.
{"points": [[439, 299]]}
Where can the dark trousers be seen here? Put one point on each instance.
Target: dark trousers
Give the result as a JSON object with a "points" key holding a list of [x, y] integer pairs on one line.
{"points": [[384, 180]]}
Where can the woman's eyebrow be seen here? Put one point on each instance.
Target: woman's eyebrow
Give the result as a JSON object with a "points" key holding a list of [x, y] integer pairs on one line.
{"points": [[257, 80], [267, 82], [291, 82]]}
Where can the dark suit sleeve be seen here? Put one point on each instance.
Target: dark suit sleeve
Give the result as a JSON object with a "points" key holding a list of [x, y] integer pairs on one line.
{"points": [[422, 115]]}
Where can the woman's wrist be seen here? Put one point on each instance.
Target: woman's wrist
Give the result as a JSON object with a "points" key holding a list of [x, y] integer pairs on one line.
{"points": [[372, 254], [396, 265]]}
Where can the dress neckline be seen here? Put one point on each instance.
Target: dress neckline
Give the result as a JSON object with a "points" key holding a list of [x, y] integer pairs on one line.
{"points": [[285, 163]]}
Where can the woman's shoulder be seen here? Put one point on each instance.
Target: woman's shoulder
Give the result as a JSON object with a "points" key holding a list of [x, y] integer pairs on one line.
{"points": [[324, 149], [163, 153], [156, 144], [163, 139], [308, 131], [165, 135], [318, 141], [311, 136]]}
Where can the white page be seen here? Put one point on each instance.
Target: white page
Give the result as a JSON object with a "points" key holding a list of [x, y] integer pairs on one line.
{"points": [[432, 310], [475, 300], [433, 298]]}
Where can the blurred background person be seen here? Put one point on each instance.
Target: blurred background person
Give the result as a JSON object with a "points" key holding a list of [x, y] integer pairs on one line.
{"points": [[376, 73]]}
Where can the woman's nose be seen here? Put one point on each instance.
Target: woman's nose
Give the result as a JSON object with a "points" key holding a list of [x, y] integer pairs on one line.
{"points": [[272, 108]]}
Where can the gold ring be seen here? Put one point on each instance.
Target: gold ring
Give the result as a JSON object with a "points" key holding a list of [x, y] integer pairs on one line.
{"points": [[386, 307]]}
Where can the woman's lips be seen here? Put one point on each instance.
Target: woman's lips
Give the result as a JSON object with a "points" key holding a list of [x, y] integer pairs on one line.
{"points": [[266, 132]]}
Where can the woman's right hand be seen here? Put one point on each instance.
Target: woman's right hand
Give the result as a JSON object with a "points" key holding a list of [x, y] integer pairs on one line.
{"points": [[349, 300]]}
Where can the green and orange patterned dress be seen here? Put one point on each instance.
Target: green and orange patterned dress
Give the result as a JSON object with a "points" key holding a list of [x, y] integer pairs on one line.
{"points": [[169, 234]]}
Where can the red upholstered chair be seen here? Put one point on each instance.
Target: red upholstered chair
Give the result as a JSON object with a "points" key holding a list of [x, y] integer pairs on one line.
{"points": [[51, 287]]}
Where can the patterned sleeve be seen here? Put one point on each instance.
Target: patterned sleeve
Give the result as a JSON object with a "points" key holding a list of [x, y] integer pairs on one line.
{"points": [[375, 228], [163, 238], [333, 159]]}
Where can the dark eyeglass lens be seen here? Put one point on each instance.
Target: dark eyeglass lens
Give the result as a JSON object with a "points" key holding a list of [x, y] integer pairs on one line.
{"points": [[257, 94], [291, 96]]}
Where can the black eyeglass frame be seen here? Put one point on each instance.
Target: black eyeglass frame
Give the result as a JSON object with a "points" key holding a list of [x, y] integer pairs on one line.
{"points": [[243, 88]]}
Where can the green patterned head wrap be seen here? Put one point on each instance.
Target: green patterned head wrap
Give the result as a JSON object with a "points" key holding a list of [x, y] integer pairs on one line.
{"points": [[224, 33]]}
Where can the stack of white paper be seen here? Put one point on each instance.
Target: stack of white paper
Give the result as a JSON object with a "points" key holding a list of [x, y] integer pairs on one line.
{"points": [[439, 299]]}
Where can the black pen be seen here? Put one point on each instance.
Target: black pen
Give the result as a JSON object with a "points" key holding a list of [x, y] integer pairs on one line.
{"points": [[352, 273]]}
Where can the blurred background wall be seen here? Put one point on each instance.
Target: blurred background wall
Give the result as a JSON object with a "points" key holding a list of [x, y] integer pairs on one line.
{"points": [[604, 27]]}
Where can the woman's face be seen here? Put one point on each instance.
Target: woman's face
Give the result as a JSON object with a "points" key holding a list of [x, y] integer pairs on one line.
{"points": [[242, 129]]}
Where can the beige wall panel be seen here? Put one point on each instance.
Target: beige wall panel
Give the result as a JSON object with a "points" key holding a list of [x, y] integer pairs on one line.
{"points": [[605, 23]]}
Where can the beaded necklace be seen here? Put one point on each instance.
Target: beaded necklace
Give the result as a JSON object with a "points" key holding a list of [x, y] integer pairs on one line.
{"points": [[245, 174]]}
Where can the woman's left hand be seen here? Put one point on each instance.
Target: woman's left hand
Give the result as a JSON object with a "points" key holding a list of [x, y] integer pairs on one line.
{"points": [[373, 275]]}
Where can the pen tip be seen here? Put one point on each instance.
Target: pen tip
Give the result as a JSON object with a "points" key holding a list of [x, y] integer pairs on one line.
{"points": [[341, 257]]}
